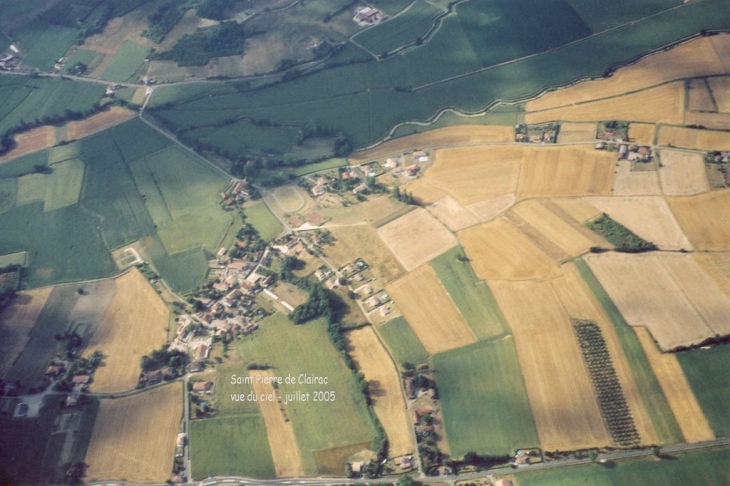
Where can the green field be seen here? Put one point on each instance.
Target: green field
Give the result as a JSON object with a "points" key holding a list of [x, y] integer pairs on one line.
{"points": [[484, 400], [401, 30], [230, 446], [471, 295], [319, 166], [243, 135], [86, 427], [17, 7], [501, 115], [600, 18], [125, 62], [405, 345], [56, 190], [85, 56], [263, 220], [706, 370], [8, 193], [655, 402], [19, 258], [294, 350], [43, 44], [700, 467]]}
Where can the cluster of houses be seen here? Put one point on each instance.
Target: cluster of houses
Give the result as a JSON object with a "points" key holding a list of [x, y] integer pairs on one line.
{"points": [[368, 16], [633, 153], [541, 134], [237, 193]]}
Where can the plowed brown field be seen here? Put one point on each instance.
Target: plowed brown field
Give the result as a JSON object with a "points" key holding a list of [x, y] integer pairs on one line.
{"points": [[100, 121], [30, 141]]}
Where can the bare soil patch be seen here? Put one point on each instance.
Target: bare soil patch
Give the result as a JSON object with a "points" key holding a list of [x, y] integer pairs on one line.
{"points": [[30, 141], [96, 123]]}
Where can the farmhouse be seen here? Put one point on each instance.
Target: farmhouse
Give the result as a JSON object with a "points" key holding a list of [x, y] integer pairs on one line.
{"points": [[81, 379], [202, 386], [412, 170], [368, 15], [151, 377], [411, 388], [202, 352], [420, 156], [503, 482]]}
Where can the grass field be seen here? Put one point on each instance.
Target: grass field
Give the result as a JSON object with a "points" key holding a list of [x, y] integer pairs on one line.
{"points": [[134, 437], [705, 233], [43, 44], [712, 389], [263, 220], [487, 374], [405, 345], [471, 296], [16, 324], [133, 325], [291, 349], [656, 404], [401, 30], [429, 311], [702, 467], [125, 62]]}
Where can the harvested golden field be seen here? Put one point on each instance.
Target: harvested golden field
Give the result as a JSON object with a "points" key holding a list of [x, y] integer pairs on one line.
{"points": [[499, 251], [704, 219], [717, 266], [577, 132], [577, 208], [282, 442], [474, 174], [352, 242], [134, 437], [682, 173], [648, 217], [424, 191], [440, 137], [30, 141], [379, 209], [694, 138], [416, 238], [16, 323], [385, 389], [558, 385], [491, 208], [429, 311], [566, 171], [676, 388], [667, 293], [627, 182], [694, 58], [699, 97], [580, 303], [721, 44], [664, 104], [642, 133], [720, 121], [572, 239], [452, 214], [133, 325], [721, 92], [100, 121]]}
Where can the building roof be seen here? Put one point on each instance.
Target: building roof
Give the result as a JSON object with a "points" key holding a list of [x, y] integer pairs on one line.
{"points": [[81, 379], [202, 385]]}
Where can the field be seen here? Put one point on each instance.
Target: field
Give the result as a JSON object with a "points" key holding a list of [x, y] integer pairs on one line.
{"points": [[701, 467], [352, 242], [452, 214], [30, 141], [471, 296], [385, 389], [447, 136], [492, 208], [283, 444], [661, 104], [648, 217], [263, 221], [125, 62], [565, 171], [16, 324], [416, 238], [43, 44], [641, 133], [96, 123], [697, 217], [484, 401], [712, 389], [294, 350], [576, 208], [474, 174], [679, 303], [561, 394], [720, 88], [401, 30], [691, 138], [499, 251], [577, 132], [289, 198], [134, 437], [56, 190], [676, 388], [699, 97], [403, 343], [429, 311], [717, 266], [133, 326], [384, 208], [682, 174]]}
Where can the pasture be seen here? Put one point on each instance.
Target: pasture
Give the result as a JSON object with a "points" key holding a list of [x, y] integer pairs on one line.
{"points": [[124, 62], [483, 398], [648, 217], [97, 123], [352, 242], [471, 296], [676, 388], [404, 344], [385, 389], [133, 325], [263, 220], [498, 250], [290, 349], [561, 394], [43, 43], [698, 217], [712, 389], [429, 311], [16, 324], [246, 136], [416, 237], [453, 215], [401, 30], [134, 437], [565, 171]]}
